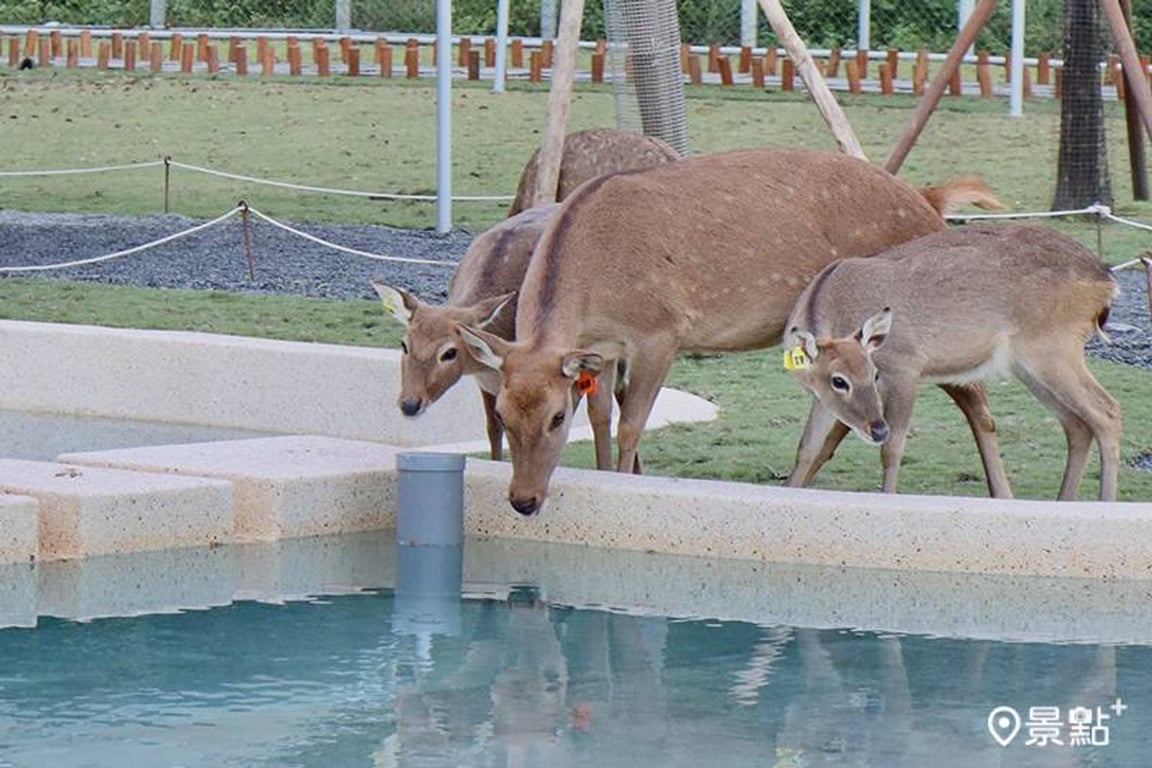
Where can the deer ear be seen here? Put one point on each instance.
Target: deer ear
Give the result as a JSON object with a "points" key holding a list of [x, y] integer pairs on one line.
{"points": [[488, 310], [575, 362], [875, 330], [397, 301], [487, 348], [804, 340]]}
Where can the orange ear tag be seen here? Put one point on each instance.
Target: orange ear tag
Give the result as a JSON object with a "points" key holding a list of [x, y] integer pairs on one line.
{"points": [[586, 383]]}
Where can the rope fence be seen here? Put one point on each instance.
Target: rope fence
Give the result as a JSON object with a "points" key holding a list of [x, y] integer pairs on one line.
{"points": [[167, 163]]}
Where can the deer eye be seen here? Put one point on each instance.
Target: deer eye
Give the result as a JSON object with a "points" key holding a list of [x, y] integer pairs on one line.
{"points": [[840, 384], [449, 355], [557, 420]]}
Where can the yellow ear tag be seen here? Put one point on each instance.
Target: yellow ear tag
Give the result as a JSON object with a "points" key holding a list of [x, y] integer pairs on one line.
{"points": [[795, 359]]}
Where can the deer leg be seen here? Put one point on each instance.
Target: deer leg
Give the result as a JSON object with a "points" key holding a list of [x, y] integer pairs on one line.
{"points": [[1086, 411], [646, 374], [600, 417], [973, 402], [899, 401], [495, 431], [821, 429], [637, 467]]}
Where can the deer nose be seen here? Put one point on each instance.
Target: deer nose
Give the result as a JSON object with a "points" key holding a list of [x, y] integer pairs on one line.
{"points": [[526, 507], [410, 406], [878, 430]]}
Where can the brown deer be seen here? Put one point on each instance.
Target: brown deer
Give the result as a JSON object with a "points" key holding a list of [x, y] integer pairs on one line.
{"points": [[955, 306], [591, 153], [708, 254]]}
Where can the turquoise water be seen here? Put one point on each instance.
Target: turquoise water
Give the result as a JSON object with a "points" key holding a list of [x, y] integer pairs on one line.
{"points": [[220, 659]]}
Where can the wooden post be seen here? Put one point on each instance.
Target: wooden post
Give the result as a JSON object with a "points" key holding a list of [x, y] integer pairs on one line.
{"points": [[489, 52], [685, 54], [175, 46], [955, 84], [724, 64], [931, 98], [345, 48], [771, 61], [73, 54], [547, 53], [44, 54], [1026, 91], [354, 61], [323, 60], [129, 55], [745, 64], [535, 66], [85, 44], [117, 45], [384, 57], [187, 57], [1058, 83], [144, 44], [787, 74], [241, 61], [597, 67], [295, 62], [1111, 69], [202, 43], [559, 102], [233, 46], [412, 59], [886, 85], [1043, 68], [983, 75], [920, 72], [262, 49], [713, 58], [463, 50], [833, 69], [853, 73], [518, 53], [213, 59], [57, 43], [893, 62], [31, 43], [756, 64], [102, 52], [14, 52], [156, 56], [695, 70], [817, 88], [473, 65], [268, 62], [862, 64]]}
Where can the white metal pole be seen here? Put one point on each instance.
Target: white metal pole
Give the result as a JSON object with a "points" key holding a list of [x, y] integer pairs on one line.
{"points": [[864, 26], [158, 14], [748, 9], [501, 46], [548, 18], [343, 15], [443, 115], [1016, 98], [963, 11]]}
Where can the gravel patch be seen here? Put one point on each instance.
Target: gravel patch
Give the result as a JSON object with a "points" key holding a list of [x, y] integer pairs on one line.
{"points": [[285, 263]]}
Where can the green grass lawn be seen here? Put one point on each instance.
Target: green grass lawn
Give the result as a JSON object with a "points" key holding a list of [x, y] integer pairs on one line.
{"points": [[379, 136]]}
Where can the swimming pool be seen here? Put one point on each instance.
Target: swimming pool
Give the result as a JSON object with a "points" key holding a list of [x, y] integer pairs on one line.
{"points": [[325, 652]]}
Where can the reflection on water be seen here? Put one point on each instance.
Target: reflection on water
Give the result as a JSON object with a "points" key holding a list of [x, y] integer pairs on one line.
{"points": [[514, 679]]}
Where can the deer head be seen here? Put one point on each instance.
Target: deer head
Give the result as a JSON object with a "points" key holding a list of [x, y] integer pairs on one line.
{"points": [[433, 355], [538, 394], [842, 376]]}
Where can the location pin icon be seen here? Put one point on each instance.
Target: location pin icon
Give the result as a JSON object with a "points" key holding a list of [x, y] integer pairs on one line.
{"points": [[1004, 724]]}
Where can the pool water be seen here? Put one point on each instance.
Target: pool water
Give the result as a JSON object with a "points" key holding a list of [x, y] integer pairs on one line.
{"points": [[469, 670]]}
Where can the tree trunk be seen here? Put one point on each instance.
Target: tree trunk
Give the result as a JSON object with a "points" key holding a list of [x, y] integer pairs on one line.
{"points": [[1082, 166]]}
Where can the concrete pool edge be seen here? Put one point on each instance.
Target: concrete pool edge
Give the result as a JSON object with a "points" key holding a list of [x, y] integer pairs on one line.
{"points": [[233, 381]]}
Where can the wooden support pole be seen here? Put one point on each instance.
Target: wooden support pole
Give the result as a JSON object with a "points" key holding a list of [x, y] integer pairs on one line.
{"points": [[956, 84], [345, 49], [1137, 161], [57, 39], [817, 88], [685, 54], [1126, 47], [1058, 83], [559, 102], [295, 61], [931, 98], [384, 57], [787, 75], [920, 72], [1026, 91], [724, 65], [262, 48], [547, 53], [145, 44], [757, 67]]}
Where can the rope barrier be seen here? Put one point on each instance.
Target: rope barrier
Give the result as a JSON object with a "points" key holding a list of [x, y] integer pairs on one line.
{"points": [[69, 171], [1096, 208], [127, 251], [345, 249]]}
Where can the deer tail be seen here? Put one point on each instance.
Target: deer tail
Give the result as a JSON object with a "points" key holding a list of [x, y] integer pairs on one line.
{"points": [[953, 195]]}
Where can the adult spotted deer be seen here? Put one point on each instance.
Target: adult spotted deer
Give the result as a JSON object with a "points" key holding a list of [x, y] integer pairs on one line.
{"points": [[954, 306], [708, 254], [591, 153]]}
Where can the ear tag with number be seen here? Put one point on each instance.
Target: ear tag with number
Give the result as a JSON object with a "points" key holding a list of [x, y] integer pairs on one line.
{"points": [[795, 359]]}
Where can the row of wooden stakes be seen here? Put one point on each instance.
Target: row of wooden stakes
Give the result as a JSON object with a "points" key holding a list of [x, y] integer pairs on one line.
{"points": [[131, 51]]}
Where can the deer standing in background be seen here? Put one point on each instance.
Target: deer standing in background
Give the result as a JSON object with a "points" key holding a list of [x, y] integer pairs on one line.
{"points": [[956, 306], [704, 254]]}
